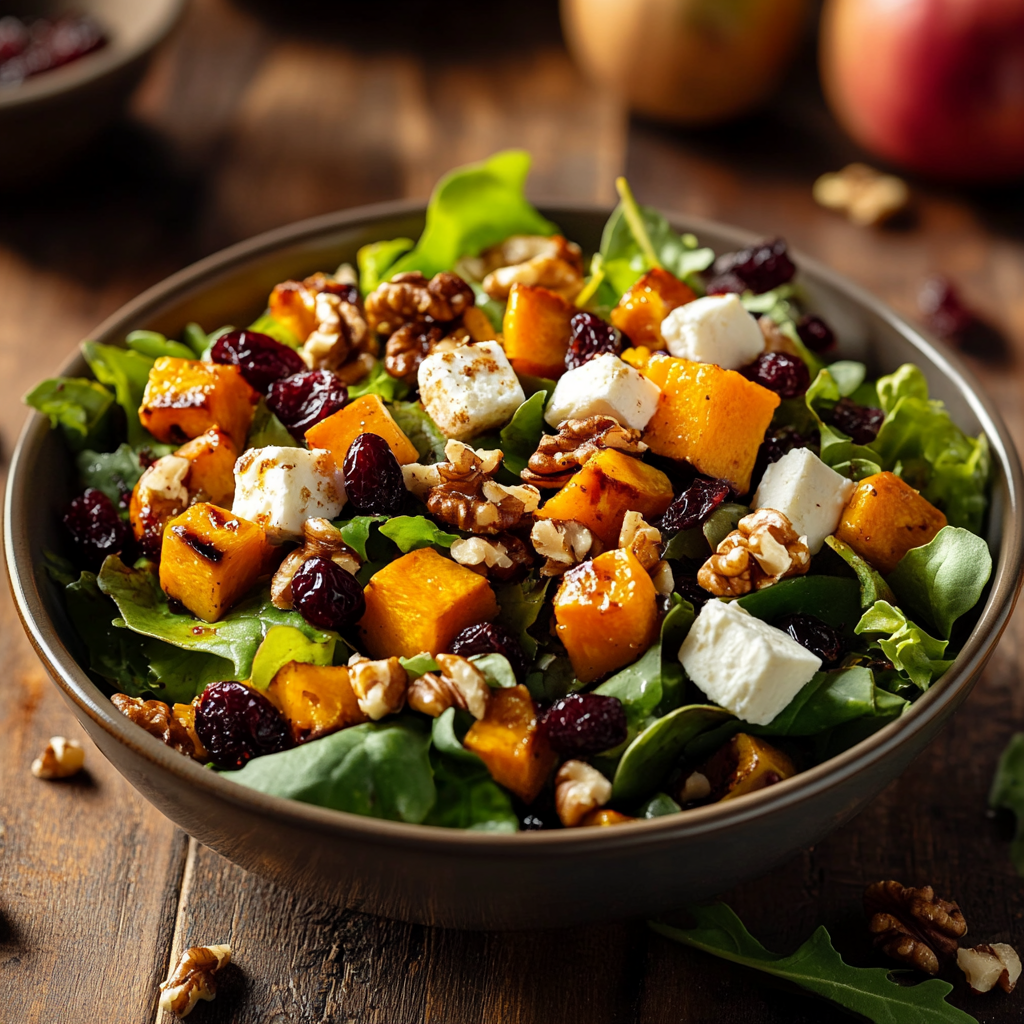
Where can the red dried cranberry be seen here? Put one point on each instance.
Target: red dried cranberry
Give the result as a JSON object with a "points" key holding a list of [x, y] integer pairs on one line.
{"points": [[96, 528], [782, 442], [695, 504], [590, 336], [487, 638], [327, 596], [304, 399], [780, 372], [585, 723], [373, 478], [237, 723], [943, 310], [815, 333], [759, 268], [859, 422], [260, 358], [817, 636]]}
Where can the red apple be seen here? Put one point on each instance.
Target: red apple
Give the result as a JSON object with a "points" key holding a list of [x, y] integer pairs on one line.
{"points": [[936, 86]]}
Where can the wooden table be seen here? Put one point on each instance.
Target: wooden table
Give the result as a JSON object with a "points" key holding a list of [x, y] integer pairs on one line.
{"points": [[245, 123]]}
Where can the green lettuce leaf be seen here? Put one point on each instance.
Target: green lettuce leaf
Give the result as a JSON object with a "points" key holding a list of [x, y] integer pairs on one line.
{"points": [[872, 586], [837, 449], [114, 473], [377, 258], [127, 373], [496, 669], [1007, 793], [379, 382], [154, 345], [356, 532], [79, 407], [412, 532], [427, 439], [910, 649], [266, 429], [283, 644]]}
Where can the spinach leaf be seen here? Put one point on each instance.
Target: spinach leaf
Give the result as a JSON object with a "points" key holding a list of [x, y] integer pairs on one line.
{"points": [[273, 328], [910, 649], [427, 439], [418, 664], [379, 382], [552, 678], [413, 532], [355, 532], [833, 599], [79, 407], [473, 208], [519, 605], [447, 733], [155, 345], [377, 258], [817, 967], [1007, 793], [114, 473], [722, 522], [520, 438], [266, 429], [381, 769], [468, 798], [639, 688], [496, 670], [941, 580], [283, 644], [872, 587], [127, 373], [179, 675]]}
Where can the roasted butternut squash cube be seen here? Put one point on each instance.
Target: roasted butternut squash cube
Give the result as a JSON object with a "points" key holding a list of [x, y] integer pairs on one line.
{"points": [[364, 415], [715, 419], [212, 474], [885, 518], [507, 740], [608, 486], [210, 558], [744, 765], [641, 309], [536, 330], [604, 816], [185, 397], [420, 602], [293, 305], [315, 699], [606, 613]]}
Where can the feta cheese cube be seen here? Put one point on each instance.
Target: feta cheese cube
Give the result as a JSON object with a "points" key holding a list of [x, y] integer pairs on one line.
{"points": [[280, 488], [604, 386], [752, 669], [807, 492], [715, 329], [469, 390]]}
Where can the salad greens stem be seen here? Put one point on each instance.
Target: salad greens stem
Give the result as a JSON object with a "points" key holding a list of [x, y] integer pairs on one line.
{"points": [[631, 211]]}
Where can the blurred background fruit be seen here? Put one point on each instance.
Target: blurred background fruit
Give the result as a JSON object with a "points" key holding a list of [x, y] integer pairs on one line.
{"points": [[936, 86], [689, 61]]}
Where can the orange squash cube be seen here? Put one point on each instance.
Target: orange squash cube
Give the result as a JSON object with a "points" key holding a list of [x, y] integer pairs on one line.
{"points": [[293, 305], [536, 330], [641, 309], [713, 418], [420, 602], [210, 558], [606, 613], [608, 486], [604, 816], [364, 415], [185, 397], [507, 740], [315, 699], [885, 518]]}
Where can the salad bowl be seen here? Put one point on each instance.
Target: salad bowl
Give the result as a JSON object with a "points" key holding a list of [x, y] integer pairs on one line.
{"points": [[468, 879]]}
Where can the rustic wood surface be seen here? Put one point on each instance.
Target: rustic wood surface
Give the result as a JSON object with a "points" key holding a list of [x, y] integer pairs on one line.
{"points": [[250, 119]]}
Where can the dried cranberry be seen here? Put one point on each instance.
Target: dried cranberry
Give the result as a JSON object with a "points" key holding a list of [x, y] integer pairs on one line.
{"points": [[695, 504], [237, 723], [261, 359], [373, 478], [590, 336], [943, 310], [690, 590], [782, 442], [815, 333], [585, 723], [859, 422], [487, 638], [327, 596], [759, 268], [304, 399], [96, 528], [780, 372], [817, 636]]}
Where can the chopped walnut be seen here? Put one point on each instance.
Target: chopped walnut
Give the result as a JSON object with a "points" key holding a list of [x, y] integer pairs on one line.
{"points": [[560, 455], [553, 263], [461, 684], [411, 298], [158, 720], [775, 339], [320, 537], [340, 333], [379, 686], [987, 966], [641, 538], [763, 549], [579, 789], [500, 558], [193, 978], [408, 347], [61, 759], [562, 543], [165, 480], [865, 195], [913, 926]]}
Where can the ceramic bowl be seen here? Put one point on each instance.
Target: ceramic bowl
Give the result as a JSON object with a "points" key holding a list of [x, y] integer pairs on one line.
{"points": [[471, 879]]}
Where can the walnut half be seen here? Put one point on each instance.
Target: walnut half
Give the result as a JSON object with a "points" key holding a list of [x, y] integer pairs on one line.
{"points": [[160, 721], [560, 455], [562, 543], [461, 684], [193, 979], [61, 759], [579, 789], [379, 686]]}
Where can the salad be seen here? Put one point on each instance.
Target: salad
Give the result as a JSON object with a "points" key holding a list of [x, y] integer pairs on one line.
{"points": [[490, 533]]}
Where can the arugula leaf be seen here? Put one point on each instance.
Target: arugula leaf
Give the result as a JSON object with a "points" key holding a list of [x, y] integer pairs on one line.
{"points": [[355, 532], [155, 345], [910, 649], [943, 579], [127, 373], [468, 798], [273, 328], [266, 429], [519, 605], [496, 669], [872, 586], [377, 258], [1007, 793], [473, 208], [520, 438], [381, 769], [424, 433], [80, 407], [283, 644], [817, 967], [379, 382], [113, 473], [412, 532]]}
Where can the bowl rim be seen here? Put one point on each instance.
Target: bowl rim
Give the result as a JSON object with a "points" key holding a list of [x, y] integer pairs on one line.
{"points": [[670, 829]]}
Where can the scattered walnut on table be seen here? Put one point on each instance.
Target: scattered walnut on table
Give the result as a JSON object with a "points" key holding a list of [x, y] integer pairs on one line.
{"points": [[193, 978], [461, 685], [379, 686], [763, 549], [986, 966], [560, 455], [158, 720], [579, 789], [61, 759], [562, 543], [320, 538], [913, 926], [411, 298], [866, 196]]}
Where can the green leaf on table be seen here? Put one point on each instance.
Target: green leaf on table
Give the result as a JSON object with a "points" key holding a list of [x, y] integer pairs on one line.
{"points": [[424, 433], [910, 649], [114, 473], [380, 769], [872, 586], [283, 644], [413, 532], [519, 604], [376, 259], [79, 407], [496, 669], [520, 438], [154, 345], [473, 208], [943, 579], [1007, 793], [127, 373], [818, 968], [379, 382], [267, 430], [273, 328], [468, 798]]}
